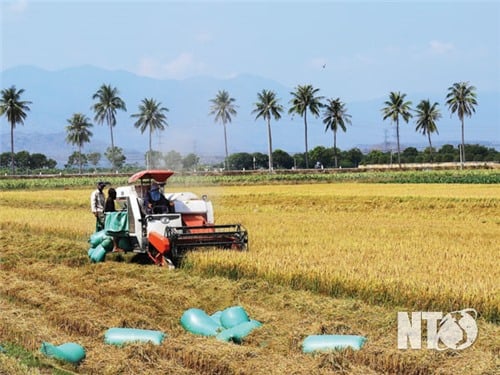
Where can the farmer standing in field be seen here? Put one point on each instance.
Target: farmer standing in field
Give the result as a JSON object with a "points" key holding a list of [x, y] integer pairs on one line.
{"points": [[97, 201]]}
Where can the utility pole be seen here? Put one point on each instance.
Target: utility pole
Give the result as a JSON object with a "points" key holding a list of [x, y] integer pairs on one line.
{"points": [[160, 144]]}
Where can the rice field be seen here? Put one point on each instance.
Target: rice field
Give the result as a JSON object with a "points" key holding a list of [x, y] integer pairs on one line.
{"points": [[338, 258], [426, 247]]}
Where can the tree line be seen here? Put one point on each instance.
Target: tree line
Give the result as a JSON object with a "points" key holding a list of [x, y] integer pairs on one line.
{"points": [[151, 117], [322, 157]]}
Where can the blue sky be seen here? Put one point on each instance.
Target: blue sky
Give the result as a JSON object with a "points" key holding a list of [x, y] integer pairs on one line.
{"points": [[354, 50]]}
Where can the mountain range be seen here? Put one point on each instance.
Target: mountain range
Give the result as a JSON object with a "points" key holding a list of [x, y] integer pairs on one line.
{"points": [[57, 95]]}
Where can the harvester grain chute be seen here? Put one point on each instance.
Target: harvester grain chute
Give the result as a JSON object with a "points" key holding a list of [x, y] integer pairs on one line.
{"points": [[166, 233]]}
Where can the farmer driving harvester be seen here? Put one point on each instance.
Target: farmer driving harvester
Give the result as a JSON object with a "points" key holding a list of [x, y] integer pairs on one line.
{"points": [[155, 202]]}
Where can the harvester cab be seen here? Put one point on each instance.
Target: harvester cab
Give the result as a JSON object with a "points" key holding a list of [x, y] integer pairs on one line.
{"points": [[166, 225]]}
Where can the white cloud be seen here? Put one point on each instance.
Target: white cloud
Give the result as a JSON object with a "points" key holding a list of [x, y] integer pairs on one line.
{"points": [[18, 6], [184, 65], [440, 48], [148, 67]]}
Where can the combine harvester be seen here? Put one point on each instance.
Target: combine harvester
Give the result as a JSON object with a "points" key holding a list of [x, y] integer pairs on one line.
{"points": [[187, 223]]}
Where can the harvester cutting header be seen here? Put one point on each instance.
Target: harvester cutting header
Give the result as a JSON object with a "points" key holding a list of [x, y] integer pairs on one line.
{"points": [[165, 225]]}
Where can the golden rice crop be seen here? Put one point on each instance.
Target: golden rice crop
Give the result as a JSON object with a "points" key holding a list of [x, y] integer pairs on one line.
{"points": [[423, 246], [415, 246], [376, 249]]}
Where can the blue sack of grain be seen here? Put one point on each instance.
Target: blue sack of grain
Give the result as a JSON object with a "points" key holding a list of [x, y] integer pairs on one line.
{"points": [[107, 244], [121, 336], [216, 317], [98, 254], [116, 223], [238, 332], [198, 322], [69, 352], [97, 237], [233, 316], [323, 343]]}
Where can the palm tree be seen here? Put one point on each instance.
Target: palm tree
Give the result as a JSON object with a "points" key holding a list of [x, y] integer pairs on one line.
{"points": [[108, 102], [150, 116], [223, 108], [395, 107], [78, 133], [427, 115], [15, 110], [304, 98], [461, 98], [335, 116], [267, 106]]}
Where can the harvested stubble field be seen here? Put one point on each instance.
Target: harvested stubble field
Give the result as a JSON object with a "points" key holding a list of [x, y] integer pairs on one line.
{"points": [[324, 259]]}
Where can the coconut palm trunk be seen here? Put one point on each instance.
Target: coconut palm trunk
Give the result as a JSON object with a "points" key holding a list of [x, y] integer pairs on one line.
{"points": [[305, 139], [225, 147], [335, 147], [150, 148], [111, 134], [12, 148], [462, 151], [79, 159], [270, 144], [399, 147], [110, 125], [430, 147]]}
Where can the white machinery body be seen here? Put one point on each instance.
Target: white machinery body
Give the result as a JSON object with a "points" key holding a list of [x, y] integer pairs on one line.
{"points": [[187, 204]]}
